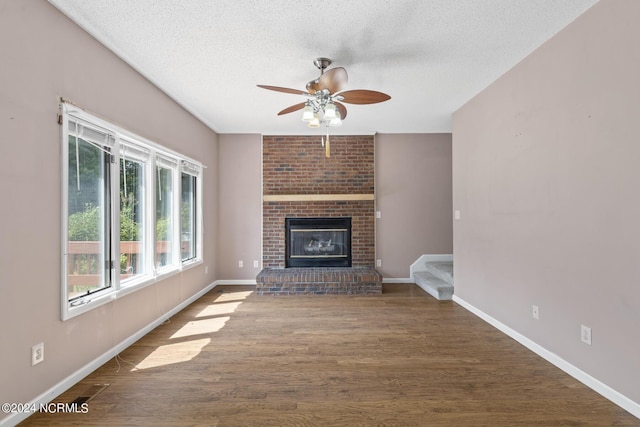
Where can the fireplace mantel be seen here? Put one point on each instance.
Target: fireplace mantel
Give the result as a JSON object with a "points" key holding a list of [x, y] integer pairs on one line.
{"points": [[315, 197]]}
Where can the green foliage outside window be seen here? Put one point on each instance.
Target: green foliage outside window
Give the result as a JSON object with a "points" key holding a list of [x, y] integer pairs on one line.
{"points": [[84, 226]]}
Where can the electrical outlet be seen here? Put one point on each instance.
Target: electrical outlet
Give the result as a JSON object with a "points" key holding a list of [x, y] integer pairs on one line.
{"points": [[378, 214], [535, 312], [256, 263], [379, 263], [206, 269], [456, 214], [37, 354], [240, 264], [585, 334]]}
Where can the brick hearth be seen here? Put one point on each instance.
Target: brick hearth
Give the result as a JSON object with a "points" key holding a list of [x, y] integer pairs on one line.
{"points": [[319, 281]]}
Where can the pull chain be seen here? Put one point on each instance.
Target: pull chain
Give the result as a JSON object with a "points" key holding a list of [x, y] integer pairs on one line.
{"points": [[327, 152]]}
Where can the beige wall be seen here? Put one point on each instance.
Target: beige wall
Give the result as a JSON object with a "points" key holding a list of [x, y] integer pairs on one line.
{"points": [[413, 195], [45, 56], [546, 177], [240, 213]]}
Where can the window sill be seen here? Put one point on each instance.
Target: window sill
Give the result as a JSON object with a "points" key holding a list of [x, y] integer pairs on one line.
{"points": [[69, 312], [127, 288]]}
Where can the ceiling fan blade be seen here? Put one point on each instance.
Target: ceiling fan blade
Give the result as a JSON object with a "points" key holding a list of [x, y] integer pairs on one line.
{"points": [[293, 108], [361, 96], [283, 89], [333, 80], [342, 109]]}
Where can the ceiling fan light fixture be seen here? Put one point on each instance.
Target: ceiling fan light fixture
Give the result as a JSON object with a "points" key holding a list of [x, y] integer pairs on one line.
{"points": [[307, 113], [315, 123], [335, 122], [330, 111]]}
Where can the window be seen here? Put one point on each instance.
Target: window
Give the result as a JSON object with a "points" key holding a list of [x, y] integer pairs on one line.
{"points": [[88, 229], [131, 212], [165, 250], [133, 218], [188, 218]]}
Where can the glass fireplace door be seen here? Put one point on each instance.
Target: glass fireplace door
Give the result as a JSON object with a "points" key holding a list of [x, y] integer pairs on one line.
{"points": [[323, 243]]}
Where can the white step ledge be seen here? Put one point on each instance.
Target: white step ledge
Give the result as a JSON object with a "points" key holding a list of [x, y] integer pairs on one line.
{"points": [[434, 286]]}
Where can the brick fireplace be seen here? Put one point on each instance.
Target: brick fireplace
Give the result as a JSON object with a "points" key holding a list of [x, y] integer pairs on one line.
{"points": [[299, 181]]}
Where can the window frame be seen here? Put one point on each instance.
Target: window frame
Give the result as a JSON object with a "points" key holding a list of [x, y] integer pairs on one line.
{"points": [[196, 172], [155, 154], [172, 164], [106, 147], [138, 154]]}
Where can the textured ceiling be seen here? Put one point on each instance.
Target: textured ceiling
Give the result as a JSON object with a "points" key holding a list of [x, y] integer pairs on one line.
{"points": [[431, 56]]}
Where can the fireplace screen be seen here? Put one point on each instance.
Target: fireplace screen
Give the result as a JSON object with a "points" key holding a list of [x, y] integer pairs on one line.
{"points": [[318, 242]]}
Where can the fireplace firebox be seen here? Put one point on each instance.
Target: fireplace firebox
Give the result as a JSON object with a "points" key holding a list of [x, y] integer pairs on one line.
{"points": [[318, 242]]}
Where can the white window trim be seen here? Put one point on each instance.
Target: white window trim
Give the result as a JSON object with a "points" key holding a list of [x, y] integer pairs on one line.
{"points": [[172, 163], [195, 170], [156, 153]]}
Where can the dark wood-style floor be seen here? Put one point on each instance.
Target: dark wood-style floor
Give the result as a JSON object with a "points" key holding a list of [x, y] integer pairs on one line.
{"points": [[400, 359]]}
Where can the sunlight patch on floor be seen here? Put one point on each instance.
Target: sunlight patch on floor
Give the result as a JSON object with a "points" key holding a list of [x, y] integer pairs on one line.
{"points": [[201, 327], [172, 353], [209, 320], [233, 296], [217, 309]]}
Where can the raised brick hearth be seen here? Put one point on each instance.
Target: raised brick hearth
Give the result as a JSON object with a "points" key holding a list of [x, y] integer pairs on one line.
{"points": [[319, 281], [300, 181]]}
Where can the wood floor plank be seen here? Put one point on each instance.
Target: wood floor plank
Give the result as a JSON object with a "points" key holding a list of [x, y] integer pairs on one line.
{"points": [[397, 359]]}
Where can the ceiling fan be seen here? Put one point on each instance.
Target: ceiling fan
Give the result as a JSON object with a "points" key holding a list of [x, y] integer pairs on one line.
{"points": [[325, 96]]}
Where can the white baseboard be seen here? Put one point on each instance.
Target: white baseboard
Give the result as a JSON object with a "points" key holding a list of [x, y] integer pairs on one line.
{"points": [[235, 282], [78, 375], [616, 397], [397, 280], [253, 282]]}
